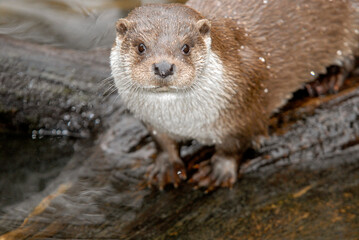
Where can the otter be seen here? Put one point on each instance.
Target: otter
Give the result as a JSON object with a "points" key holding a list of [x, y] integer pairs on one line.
{"points": [[216, 70]]}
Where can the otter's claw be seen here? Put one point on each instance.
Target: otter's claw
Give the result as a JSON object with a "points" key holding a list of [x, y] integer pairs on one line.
{"points": [[164, 172], [217, 172]]}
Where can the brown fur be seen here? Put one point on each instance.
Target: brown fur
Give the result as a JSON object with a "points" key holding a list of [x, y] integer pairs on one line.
{"points": [[245, 115], [294, 37]]}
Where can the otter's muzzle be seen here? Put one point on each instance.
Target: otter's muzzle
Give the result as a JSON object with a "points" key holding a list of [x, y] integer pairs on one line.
{"points": [[163, 69]]}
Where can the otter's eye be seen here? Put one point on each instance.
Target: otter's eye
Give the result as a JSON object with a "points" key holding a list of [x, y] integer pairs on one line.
{"points": [[141, 48], [185, 49]]}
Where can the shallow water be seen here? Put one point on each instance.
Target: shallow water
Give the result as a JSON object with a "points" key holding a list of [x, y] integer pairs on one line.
{"points": [[27, 165]]}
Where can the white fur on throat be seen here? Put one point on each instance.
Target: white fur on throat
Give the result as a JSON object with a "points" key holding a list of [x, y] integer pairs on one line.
{"points": [[187, 114]]}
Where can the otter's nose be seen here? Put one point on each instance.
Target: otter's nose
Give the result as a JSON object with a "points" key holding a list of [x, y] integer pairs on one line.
{"points": [[163, 69]]}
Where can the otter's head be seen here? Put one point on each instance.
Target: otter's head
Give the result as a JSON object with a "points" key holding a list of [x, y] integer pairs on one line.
{"points": [[160, 48]]}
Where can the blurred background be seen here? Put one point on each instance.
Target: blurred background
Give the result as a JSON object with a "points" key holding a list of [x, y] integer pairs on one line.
{"points": [[77, 24]]}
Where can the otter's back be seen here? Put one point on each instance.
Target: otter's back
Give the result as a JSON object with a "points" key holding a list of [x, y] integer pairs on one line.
{"points": [[298, 39]]}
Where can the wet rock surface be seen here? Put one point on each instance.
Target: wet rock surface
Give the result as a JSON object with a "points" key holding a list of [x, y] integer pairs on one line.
{"points": [[53, 91], [301, 184]]}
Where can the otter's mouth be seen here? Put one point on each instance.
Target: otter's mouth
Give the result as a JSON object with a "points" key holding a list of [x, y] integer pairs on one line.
{"points": [[162, 89]]}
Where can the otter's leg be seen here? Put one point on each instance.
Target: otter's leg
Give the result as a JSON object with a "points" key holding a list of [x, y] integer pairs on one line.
{"points": [[168, 167], [332, 81], [220, 171]]}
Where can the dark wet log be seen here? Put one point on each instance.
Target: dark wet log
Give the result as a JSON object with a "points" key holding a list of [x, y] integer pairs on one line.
{"points": [[302, 184], [56, 90]]}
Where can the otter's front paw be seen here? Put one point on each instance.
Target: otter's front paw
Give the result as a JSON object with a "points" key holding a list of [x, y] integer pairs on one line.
{"points": [[220, 171], [163, 172]]}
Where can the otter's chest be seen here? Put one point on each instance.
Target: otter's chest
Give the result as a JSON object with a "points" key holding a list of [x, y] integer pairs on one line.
{"points": [[184, 116]]}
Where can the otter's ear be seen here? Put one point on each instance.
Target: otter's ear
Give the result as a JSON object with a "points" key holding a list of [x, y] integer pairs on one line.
{"points": [[122, 26], [204, 26]]}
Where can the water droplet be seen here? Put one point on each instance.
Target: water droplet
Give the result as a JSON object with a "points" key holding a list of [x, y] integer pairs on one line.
{"points": [[154, 132], [65, 132], [268, 66], [179, 172], [280, 22], [242, 47], [34, 134], [266, 90], [312, 73], [339, 52], [265, 1], [262, 59]]}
